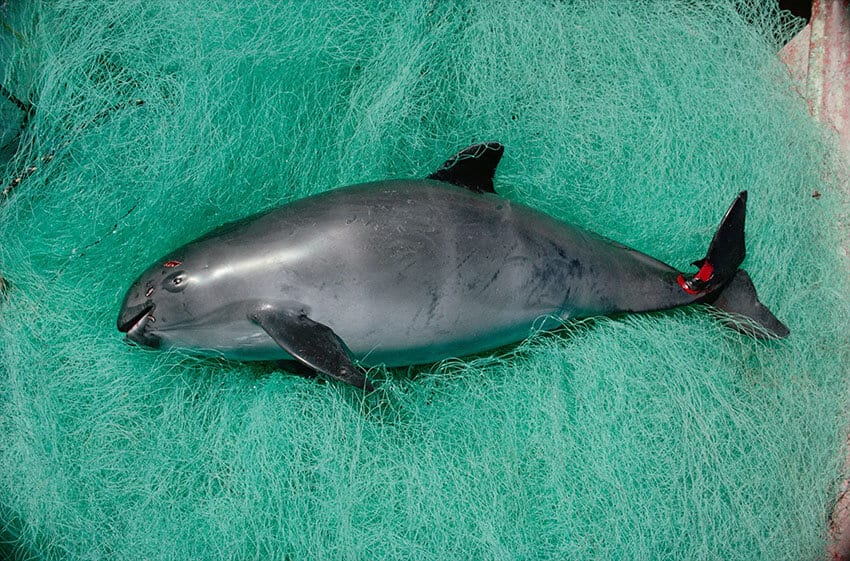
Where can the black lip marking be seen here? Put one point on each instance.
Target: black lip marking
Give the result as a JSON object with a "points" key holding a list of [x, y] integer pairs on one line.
{"points": [[132, 316]]}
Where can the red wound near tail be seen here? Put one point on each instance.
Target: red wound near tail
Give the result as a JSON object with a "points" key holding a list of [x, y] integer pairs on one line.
{"points": [[705, 273]]}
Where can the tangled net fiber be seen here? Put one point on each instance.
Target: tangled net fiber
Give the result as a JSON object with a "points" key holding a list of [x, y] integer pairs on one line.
{"points": [[657, 436]]}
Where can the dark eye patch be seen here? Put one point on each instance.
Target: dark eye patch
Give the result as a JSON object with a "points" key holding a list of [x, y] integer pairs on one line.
{"points": [[175, 282]]}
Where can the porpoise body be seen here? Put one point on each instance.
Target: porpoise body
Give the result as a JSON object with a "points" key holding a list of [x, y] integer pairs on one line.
{"points": [[404, 272]]}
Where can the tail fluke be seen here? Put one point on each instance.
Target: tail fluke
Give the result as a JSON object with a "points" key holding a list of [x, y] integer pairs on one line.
{"points": [[725, 254], [739, 298], [720, 282]]}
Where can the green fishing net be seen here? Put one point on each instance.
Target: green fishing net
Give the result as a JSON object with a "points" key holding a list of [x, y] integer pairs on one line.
{"points": [[656, 436]]}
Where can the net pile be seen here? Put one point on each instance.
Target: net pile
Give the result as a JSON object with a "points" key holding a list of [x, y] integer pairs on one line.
{"points": [[660, 436]]}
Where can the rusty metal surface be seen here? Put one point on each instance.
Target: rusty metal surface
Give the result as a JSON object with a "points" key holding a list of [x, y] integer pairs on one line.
{"points": [[819, 58]]}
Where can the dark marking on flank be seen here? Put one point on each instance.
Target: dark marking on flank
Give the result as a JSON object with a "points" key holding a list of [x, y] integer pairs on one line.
{"points": [[491, 281]]}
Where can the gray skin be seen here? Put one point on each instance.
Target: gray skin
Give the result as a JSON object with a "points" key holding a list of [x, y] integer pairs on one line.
{"points": [[404, 272], [411, 272]]}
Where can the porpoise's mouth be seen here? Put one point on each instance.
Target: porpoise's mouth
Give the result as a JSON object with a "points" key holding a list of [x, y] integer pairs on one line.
{"points": [[133, 318]]}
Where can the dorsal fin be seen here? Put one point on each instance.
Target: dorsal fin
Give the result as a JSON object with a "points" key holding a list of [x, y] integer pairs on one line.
{"points": [[472, 168]]}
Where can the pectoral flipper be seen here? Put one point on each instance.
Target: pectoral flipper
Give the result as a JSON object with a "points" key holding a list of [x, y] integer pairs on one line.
{"points": [[311, 343]]}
